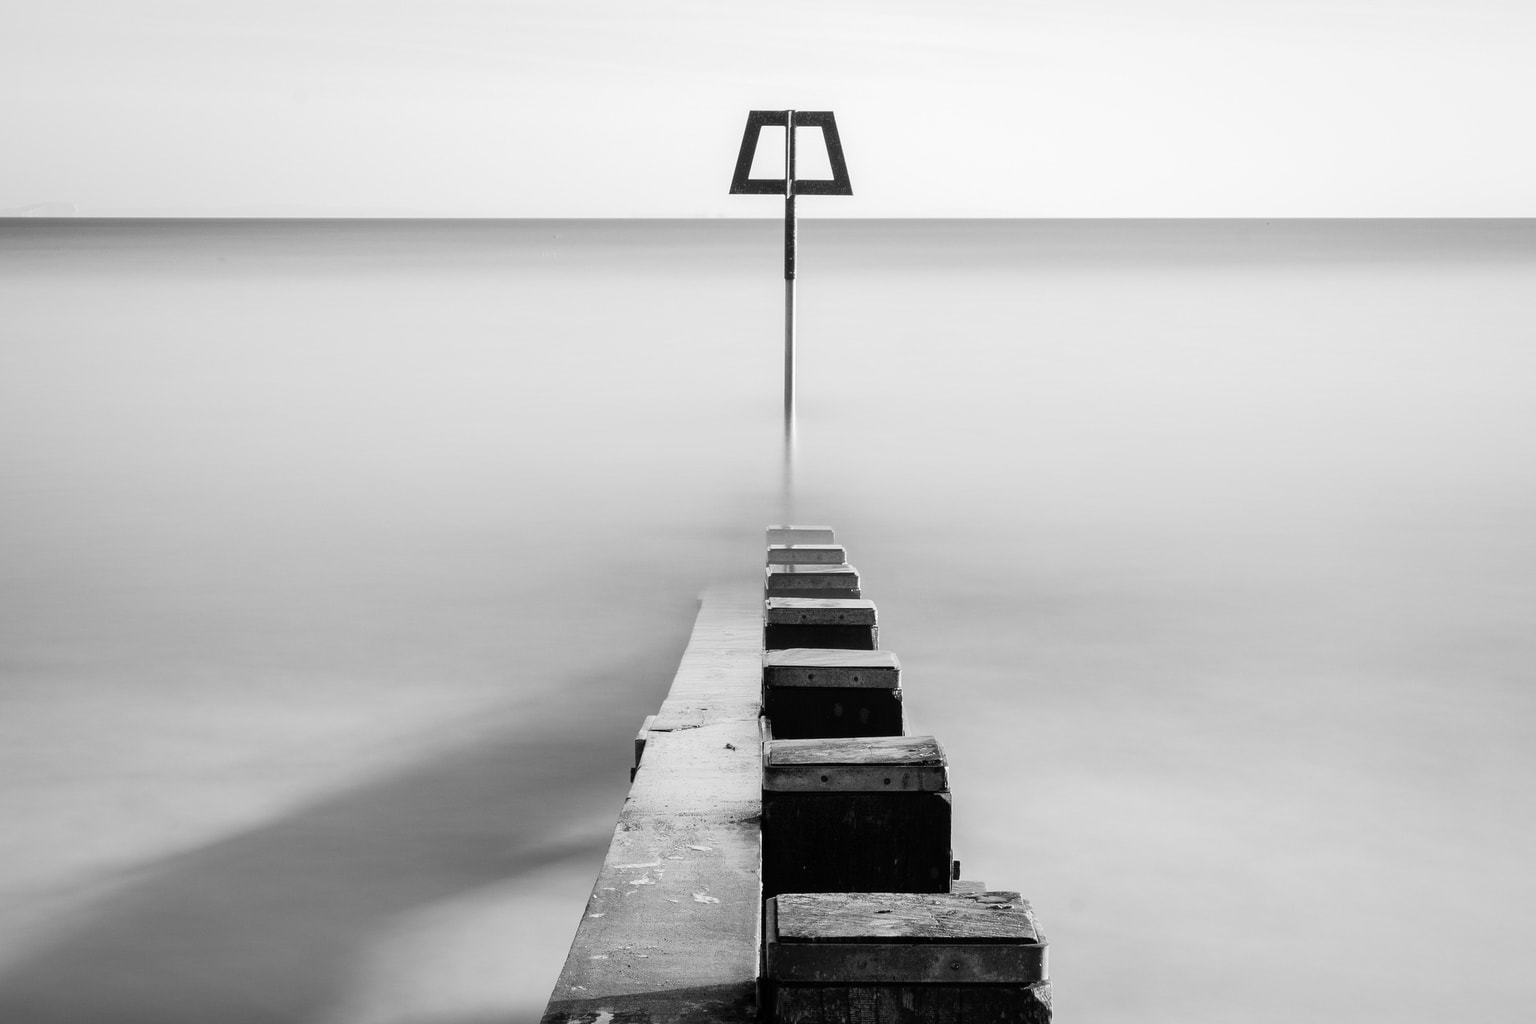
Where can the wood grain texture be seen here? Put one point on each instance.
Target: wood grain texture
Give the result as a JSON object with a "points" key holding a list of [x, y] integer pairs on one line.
{"points": [[801, 591], [997, 963], [811, 581], [911, 1004], [837, 582], [819, 612], [945, 918], [821, 711], [856, 842], [814, 667], [825, 570], [878, 752], [672, 928], [806, 554], [832, 636], [797, 534], [819, 622], [903, 938], [842, 778]]}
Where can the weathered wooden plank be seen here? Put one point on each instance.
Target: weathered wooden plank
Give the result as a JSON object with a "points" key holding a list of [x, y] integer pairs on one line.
{"points": [[867, 814], [923, 918], [855, 778], [671, 931], [814, 667], [814, 570], [801, 535], [819, 622], [845, 957], [842, 958], [785, 590], [907, 964], [811, 581], [877, 750], [809, 692], [866, 764], [849, 638], [819, 611], [818, 711], [856, 842], [806, 554], [819, 576], [909, 1004]]}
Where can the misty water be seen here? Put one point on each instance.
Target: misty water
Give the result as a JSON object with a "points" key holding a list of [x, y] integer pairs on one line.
{"points": [[340, 561]]}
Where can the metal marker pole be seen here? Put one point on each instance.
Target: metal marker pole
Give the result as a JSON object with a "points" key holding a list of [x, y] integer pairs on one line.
{"points": [[789, 315]]}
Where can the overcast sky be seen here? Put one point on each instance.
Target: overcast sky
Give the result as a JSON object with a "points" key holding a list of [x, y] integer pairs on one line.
{"points": [[960, 108]]}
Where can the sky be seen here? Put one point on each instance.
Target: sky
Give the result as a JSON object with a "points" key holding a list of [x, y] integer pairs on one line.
{"points": [[1021, 108]]}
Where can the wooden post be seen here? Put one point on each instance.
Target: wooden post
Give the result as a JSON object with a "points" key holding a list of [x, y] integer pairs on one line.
{"points": [[837, 581], [866, 814], [840, 958], [806, 554], [810, 693], [801, 535], [812, 622], [848, 834]]}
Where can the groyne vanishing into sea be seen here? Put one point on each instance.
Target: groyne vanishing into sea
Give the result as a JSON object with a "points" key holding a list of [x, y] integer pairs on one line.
{"points": [[784, 852]]}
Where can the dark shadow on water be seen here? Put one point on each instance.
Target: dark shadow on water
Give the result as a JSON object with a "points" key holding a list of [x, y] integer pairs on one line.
{"points": [[265, 926]]}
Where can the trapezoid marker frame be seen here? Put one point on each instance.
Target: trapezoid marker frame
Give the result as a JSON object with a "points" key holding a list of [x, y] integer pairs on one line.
{"points": [[742, 182], [791, 187]]}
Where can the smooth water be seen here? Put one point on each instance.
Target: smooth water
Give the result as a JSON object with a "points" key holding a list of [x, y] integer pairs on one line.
{"points": [[339, 562]]}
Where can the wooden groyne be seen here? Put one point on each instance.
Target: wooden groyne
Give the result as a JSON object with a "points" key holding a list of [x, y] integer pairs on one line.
{"points": [[779, 769]]}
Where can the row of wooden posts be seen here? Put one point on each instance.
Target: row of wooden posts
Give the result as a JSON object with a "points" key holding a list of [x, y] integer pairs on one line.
{"points": [[785, 852], [866, 916]]}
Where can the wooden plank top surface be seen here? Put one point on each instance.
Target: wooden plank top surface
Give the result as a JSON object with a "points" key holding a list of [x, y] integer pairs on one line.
{"points": [[865, 764], [818, 667], [915, 751], [838, 570], [796, 534], [903, 939], [806, 554], [672, 930], [819, 611], [905, 917], [821, 657]]}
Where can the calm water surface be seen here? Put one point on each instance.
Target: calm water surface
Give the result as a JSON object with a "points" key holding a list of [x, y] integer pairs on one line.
{"points": [[339, 562]]}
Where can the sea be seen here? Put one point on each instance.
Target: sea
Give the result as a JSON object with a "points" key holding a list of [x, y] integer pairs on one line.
{"points": [[341, 560]]}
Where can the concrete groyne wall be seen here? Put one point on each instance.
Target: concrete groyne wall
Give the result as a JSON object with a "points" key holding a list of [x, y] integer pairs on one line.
{"points": [[784, 853]]}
